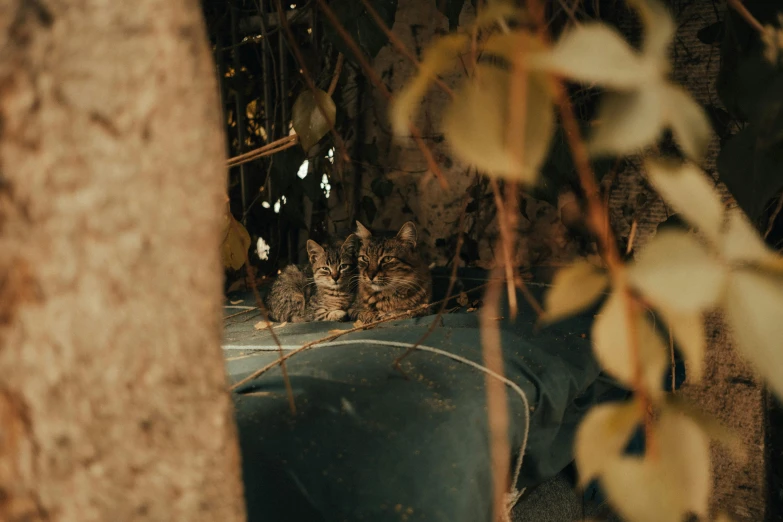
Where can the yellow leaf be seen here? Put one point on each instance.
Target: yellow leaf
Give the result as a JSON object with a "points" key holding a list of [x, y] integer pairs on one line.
{"points": [[687, 190], [438, 57], [628, 121], [574, 288], [595, 53], [741, 243], [711, 426], [612, 344], [475, 126], [308, 119], [668, 487], [602, 436], [658, 27], [688, 120], [754, 312], [236, 242], [676, 272], [688, 331]]}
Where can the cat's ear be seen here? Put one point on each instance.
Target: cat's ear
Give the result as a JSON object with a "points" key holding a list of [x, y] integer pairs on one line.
{"points": [[313, 249], [350, 244], [362, 231], [408, 233]]}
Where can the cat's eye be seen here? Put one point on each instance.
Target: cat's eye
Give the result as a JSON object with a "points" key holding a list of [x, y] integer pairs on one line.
{"points": [[324, 269], [386, 259], [363, 259], [344, 267]]}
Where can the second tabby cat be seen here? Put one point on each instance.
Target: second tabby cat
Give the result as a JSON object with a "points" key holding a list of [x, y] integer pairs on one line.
{"points": [[320, 291], [393, 277]]}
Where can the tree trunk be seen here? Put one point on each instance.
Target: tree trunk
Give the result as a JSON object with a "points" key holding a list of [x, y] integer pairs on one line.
{"points": [[113, 404]]}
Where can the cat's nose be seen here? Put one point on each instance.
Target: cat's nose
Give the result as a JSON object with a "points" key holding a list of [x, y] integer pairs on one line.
{"points": [[335, 276], [371, 275]]}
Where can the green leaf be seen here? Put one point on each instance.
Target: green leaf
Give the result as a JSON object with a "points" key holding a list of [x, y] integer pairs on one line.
{"points": [[628, 121], [603, 435], [752, 172], [574, 288], [754, 312], [308, 117], [370, 210], [677, 272], [596, 53], [611, 336], [451, 9], [690, 193], [665, 488], [476, 124], [360, 25]]}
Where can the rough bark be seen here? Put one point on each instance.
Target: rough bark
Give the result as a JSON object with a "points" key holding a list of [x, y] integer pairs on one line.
{"points": [[112, 389]]}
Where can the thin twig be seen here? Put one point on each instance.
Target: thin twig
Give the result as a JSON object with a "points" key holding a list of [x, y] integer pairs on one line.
{"points": [[400, 46], [338, 69], [497, 405], [774, 216], [376, 80], [744, 13], [671, 355], [507, 244], [267, 152], [631, 237], [269, 325]]}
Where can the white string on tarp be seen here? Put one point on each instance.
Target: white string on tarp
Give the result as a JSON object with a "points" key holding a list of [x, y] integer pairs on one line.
{"points": [[513, 495]]}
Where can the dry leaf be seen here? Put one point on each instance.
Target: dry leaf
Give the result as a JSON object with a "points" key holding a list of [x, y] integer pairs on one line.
{"points": [[628, 121], [308, 119], [658, 27], [687, 190], [741, 243], [236, 302], [754, 312], [647, 102], [476, 122], [574, 288], [236, 242], [674, 271], [663, 489], [602, 436], [595, 53], [688, 121], [727, 438], [612, 344], [438, 57], [688, 331], [263, 325]]}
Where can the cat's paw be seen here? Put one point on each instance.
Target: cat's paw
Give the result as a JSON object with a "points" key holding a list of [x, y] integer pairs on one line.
{"points": [[298, 319], [366, 316], [336, 315]]}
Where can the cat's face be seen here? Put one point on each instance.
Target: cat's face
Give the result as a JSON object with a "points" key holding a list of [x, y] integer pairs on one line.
{"points": [[333, 267], [386, 263]]}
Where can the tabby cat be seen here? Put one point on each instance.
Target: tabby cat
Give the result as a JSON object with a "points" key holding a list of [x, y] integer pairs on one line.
{"points": [[393, 277], [320, 291]]}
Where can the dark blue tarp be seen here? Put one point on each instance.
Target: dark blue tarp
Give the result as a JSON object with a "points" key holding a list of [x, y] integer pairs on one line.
{"points": [[368, 443]]}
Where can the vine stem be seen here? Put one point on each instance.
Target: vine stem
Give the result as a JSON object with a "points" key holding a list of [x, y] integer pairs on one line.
{"points": [[738, 6], [288, 141], [598, 221]]}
